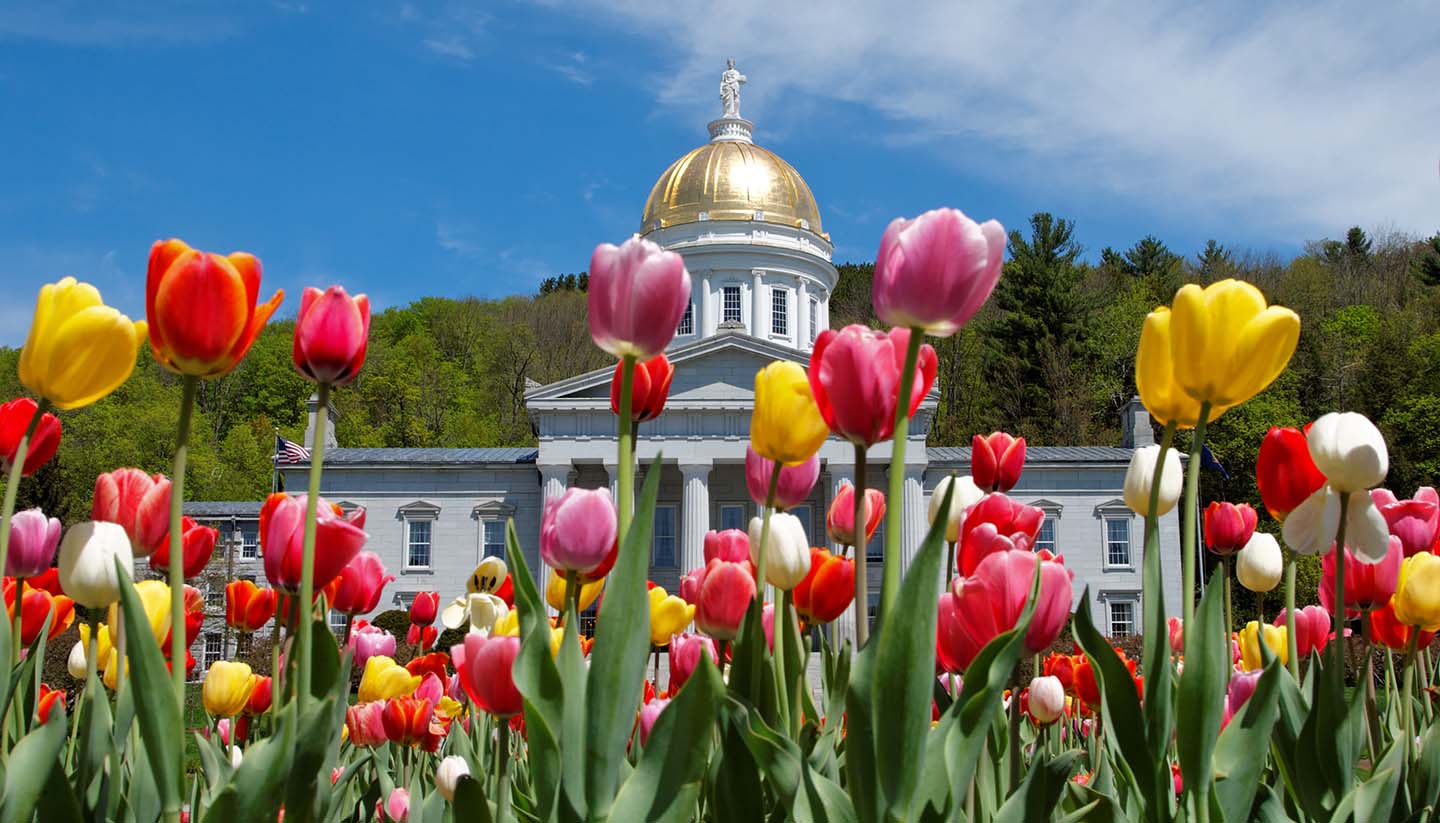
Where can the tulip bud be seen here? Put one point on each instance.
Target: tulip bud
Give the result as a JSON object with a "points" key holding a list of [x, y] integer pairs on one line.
{"points": [[236, 757], [840, 518], [1047, 699], [669, 615], [730, 545], [936, 270], [33, 539], [87, 562], [75, 663], [1417, 594], [1259, 565], [331, 333], [650, 388], [786, 424], [636, 295], [15, 418], [649, 713], [227, 688], [725, 590], [685, 652], [1140, 477], [361, 583], [1274, 637], [855, 378], [78, 349], [1285, 472], [966, 494], [996, 461], [577, 530], [1349, 451], [786, 549], [448, 774], [1228, 527], [792, 487], [397, 806]]}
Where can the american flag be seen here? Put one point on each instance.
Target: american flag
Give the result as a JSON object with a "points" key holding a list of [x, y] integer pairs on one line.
{"points": [[288, 452]]}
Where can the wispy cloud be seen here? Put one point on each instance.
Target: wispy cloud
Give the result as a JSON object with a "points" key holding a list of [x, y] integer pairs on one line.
{"points": [[125, 23], [25, 268], [572, 67], [453, 30], [458, 238]]}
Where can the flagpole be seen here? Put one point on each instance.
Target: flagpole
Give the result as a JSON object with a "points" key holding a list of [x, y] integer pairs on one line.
{"points": [[275, 464]]}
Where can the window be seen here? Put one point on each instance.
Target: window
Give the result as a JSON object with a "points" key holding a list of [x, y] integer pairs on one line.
{"points": [[731, 296], [687, 320], [1122, 618], [214, 594], [249, 541], [663, 548], [494, 539], [804, 515], [779, 311], [417, 544], [1117, 541], [1046, 538], [337, 621], [214, 649], [875, 549], [732, 516], [873, 598], [814, 319]]}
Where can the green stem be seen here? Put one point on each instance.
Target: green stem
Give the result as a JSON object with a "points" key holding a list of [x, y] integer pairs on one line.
{"points": [[1339, 653], [1407, 717], [761, 552], [1188, 540], [625, 484], [189, 384], [1014, 758], [1292, 648], [571, 606], [862, 549], [1152, 520], [17, 635], [890, 583], [307, 558], [12, 482], [1372, 715], [1229, 609], [502, 792], [782, 678]]}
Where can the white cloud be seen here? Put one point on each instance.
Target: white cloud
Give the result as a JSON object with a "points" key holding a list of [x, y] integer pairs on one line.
{"points": [[1295, 118]]}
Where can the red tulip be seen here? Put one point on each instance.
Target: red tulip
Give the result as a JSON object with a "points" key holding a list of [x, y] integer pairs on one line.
{"points": [[424, 608], [1176, 628], [936, 270], [15, 418], [1367, 585], [433, 663], [506, 591], [829, 588], [1387, 630], [338, 538], [331, 333], [981, 606], [45, 701], [138, 502], [840, 518], [1085, 686], [997, 523], [730, 545], [1312, 628], [423, 636], [996, 461], [1416, 522], [194, 605], [198, 545], [1062, 667], [201, 308], [791, 489], [649, 388], [725, 590], [599, 572], [1285, 472], [855, 377], [406, 720], [485, 666], [260, 698], [685, 652], [1228, 527], [361, 583], [36, 605], [48, 580], [247, 606]]}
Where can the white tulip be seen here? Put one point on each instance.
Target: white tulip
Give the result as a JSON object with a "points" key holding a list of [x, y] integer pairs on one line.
{"points": [[236, 757], [75, 663], [87, 562], [1140, 477], [485, 609], [1046, 699], [787, 550], [1259, 565], [967, 494], [456, 614], [448, 774], [1349, 451], [1312, 527]]}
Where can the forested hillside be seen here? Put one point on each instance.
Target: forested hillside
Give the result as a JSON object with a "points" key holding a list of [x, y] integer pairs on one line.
{"points": [[1050, 357]]}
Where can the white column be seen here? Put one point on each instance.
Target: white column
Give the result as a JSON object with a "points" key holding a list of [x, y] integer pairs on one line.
{"points": [[757, 305], [914, 521], [703, 321], [803, 309], [554, 478], [613, 471], [843, 629], [695, 514]]}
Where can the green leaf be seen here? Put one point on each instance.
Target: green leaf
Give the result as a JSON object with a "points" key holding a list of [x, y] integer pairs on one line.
{"points": [[319, 730], [573, 761], [1237, 769], [538, 681], [1202, 690], [736, 792], [860, 768], [1159, 675], [29, 767], [161, 726], [255, 790], [470, 802], [1040, 791], [809, 797], [58, 802], [1425, 776]]}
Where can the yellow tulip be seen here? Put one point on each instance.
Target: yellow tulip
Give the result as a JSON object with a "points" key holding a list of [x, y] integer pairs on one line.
{"points": [[555, 592], [786, 425], [102, 640], [227, 688], [1274, 636], [449, 708], [668, 615], [110, 675], [155, 599], [1417, 593], [384, 679], [79, 349], [508, 625], [1155, 376], [1226, 344]]}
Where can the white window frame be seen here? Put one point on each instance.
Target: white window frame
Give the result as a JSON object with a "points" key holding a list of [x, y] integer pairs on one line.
{"points": [[739, 291], [210, 658], [674, 538], [336, 621], [814, 319], [249, 550], [1052, 518], [486, 513], [1110, 563], [687, 320], [410, 525], [875, 549], [1111, 607], [411, 514], [779, 311]]}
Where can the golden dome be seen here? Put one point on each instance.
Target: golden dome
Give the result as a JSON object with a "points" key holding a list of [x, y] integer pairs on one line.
{"points": [[731, 180]]}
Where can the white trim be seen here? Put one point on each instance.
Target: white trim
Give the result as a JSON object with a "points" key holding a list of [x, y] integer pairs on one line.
{"points": [[1128, 519], [1122, 600], [409, 523]]}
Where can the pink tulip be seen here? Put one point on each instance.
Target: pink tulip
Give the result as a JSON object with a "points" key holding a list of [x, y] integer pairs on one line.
{"points": [[137, 501], [1177, 634], [361, 582], [338, 538], [767, 622], [689, 586], [855, 377], [649, 713], [935, 271], [840, 519], [793, 487], [1228, 527], [33, 539], [366, 724], [1416, 521], [636, 296], [430, 689], [731, 545], [1367, 585], [1242, 685], [222, 728], [486, 668], [725, 592], [397, 805], [685, 652], [1312, 628], [997, 523], [331, 333], [577, 530], [981, 606], [996, 461], [367, 640]]}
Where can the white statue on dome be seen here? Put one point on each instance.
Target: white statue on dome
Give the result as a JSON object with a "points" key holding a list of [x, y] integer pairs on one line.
{"points": [[730, 83]]}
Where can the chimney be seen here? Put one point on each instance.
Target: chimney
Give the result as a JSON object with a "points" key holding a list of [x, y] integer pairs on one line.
{"points": [[1136, 425], [314, 406]]}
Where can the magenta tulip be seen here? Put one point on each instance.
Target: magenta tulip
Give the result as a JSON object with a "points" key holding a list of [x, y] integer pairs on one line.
{"points": [[577, 530], [997, 523], [981, 606], [793, 487], [731, 545], [1415, 521], [935, 271], [33, 540], [361, 582], [855, 377], [1228, 527], [689, 586], [1242, 685], [338, 538], [367, 641], [139, 502], [996, 461], [486, 668], [331, 333], [725, 592], [767, 623], [649, 713], [636, 295], [685, 652], [840, 518], [1367, 585], [1312, 628]]}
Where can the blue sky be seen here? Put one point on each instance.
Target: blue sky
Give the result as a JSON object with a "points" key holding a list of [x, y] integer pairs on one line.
{"points": [[406, 149]]}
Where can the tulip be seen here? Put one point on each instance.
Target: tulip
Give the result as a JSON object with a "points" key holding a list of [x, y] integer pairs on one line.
{"points": [[996, 461], [227, 688], [786, 425], [685, 652], [260, 697], [88, 554], [36, 605], [997, 523], [193, 609], [636, 296], [1242, 685], [791, 489], [422, 636], [828, 589], [485, 666], [369, 641], [430, 667], [78, 349], [1250, 638], [448, 774], [1416, 522], [49, 580], [154, 597], [1367, 585], [1227, 344], [46, 700], [556, 586], [1386, 630], [649, 713], [397, 804], [1311, 527], [33, 540], [197, 547], [1349, 451], [406, 720], [935, 271], [1312, 627], [137, 501], [1177, 634], [990, 601], [1046, 699], [364, 722], [855, 378], [75, 664], [1259, 564], [424, 608], [201, 308], [966, 494], [1085, 686], [730, 545], [15, 418], [1140, 478], [1062, 668], [331, 333], [361, 583], [767, 623], [1228, 527], [1417, 592], [475, 612], [247, 606], [1155, 379], [1285, 472], [384, 679], [786, 550], [649, 388], [840, 518], [668, 615], [725, 590], [688, 589], [578, 529], [338, 538]]}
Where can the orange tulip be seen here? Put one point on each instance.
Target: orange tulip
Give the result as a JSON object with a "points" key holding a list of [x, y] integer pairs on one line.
{"points": [[406, 720], [46, 700], [36, 605], [247, 606], [201, 308], [828, 590]]}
